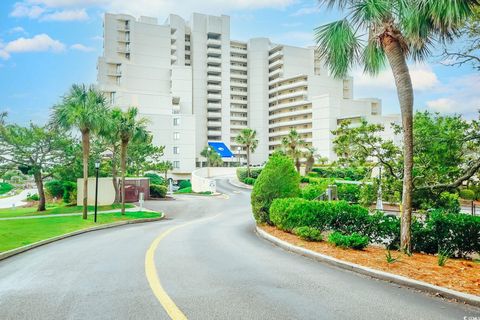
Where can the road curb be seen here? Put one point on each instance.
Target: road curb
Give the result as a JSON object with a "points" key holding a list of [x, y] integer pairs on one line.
{"points": [[239, 184], [9, 253], [377, 274]]}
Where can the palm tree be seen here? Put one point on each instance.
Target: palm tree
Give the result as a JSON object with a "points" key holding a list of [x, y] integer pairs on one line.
{"points": [[310, 155], [213, 158], [129, 129], [83, 108], [397, 30], [293, 144], [164, 167], [247, 139]]}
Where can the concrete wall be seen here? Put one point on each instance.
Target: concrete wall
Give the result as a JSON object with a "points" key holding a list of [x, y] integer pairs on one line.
{"points": [[202, 178], [106, 192]]}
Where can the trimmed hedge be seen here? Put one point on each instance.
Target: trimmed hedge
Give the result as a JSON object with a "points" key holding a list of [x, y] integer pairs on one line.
{"points": [[459, 233], [467, 194], [250, 181], [308, 233], [353, 241], [158, 191], [184, 184], [278, 179], [5, 187], [358, 173], [242, 173], [155, 178]]}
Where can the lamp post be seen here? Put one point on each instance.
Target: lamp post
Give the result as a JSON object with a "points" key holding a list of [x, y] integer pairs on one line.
{"points": [[238, 151], [379, 205], [97, 167]]}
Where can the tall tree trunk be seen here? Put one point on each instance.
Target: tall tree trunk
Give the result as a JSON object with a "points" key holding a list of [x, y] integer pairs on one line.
{"points": [[248, 161], [114, 175], [86, 152], [398, 63], [41, 192], [123, 156]]}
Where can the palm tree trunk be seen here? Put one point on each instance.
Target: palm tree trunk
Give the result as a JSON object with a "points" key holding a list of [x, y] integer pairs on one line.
{"points": [[114, 176], [86, 152], [41, 192], [248, 161], [123, 156], [403, 83]]}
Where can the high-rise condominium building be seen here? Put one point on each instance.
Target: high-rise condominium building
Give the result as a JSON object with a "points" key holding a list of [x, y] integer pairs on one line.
{"points": [[197, 85]]}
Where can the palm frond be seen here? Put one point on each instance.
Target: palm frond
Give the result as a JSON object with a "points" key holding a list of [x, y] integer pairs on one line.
{"points": [[336, 4], [338, 45], [373, 57], [367, 12]]}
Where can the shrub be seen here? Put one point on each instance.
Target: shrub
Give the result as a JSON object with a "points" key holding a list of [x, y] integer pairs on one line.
{"points": [[69, 192], [308, 233], [242, 173], [467, 194], [348, 192], [278, 179], [358, 173], [367, 194], [184, 184], [54, 188], [33, 197], [155, 178], [250, 181], [354, 240], [316, 187], [185, 190], [158, 191], [5, 187]]}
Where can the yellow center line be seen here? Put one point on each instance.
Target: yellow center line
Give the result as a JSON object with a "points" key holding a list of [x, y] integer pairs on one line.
{"points": [[152, 275]]}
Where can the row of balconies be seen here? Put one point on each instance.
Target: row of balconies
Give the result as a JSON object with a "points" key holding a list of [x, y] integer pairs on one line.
{"points": [[300, 83], [214, 96], [289, 95], [214, 70], [238, 59], [285, 132], [214, 52], [286, 105], [237, 50], [214, 106], [214, 61], [278, 142], [234, 75], [214, 43], [290, 123], [238, 67], [298, 112]]}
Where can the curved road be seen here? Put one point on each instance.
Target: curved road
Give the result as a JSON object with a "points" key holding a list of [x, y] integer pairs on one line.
{"points": [[213, 268]]}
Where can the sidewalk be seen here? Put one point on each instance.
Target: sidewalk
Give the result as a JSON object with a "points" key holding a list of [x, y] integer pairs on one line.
{"points": [[16, 200]]}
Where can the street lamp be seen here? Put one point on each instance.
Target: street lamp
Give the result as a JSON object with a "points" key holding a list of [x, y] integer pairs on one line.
{"points": [[97, 167], [238, 151], [379, 205]]}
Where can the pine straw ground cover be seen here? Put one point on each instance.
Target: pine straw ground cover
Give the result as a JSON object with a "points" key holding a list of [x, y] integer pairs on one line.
{"points": [[457, 274]]}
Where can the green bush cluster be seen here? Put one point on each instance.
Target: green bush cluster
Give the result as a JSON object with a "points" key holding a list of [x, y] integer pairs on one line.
{"points": [[308, 233], [458, 233], [184, 184], [33, 197], [158, 191], [316, 187], [467, 194], [278, 179], [155, 178], [348, 192], [242, 173], [5, 187], [250, 181], [357, 173], [66, 190], [353, 241]]}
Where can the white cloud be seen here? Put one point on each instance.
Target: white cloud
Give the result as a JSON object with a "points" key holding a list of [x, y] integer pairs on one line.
{"points": [[423, 78], [17, 30], [306, 10], [21, 9], [81, 47], [40, 42], [66, 15], [458, 95]]}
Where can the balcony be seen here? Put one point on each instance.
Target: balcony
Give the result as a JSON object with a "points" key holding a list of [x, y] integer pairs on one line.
{"points": [[275, 55], [214, 52], [299, 112], [212, 78], [276, 72], [238, 126], [275, 64], [238, 100], [214, 123], [173, 48], [238, 59], [288, 105], [214, 115], [214, 61], [238, 76], [234, 83], [123, 49], [287, 131], [214, 96], [214, 43], [289, 95], [214, 88], [287, 122], [286, 86], [214, 70], [214, 106], [214, 133], [240, 68], [238, 118], [237, 50]]}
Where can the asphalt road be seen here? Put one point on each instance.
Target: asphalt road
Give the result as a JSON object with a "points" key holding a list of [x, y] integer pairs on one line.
{"points": [[215, 267]]}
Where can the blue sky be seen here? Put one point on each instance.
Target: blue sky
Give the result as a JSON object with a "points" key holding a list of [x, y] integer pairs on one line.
{"points": [[47, 45]]}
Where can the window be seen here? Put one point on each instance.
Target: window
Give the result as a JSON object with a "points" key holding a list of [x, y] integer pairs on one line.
{"points": [[112, 97], [176, 164], [176, 150], [176, 135], [176, 121]]}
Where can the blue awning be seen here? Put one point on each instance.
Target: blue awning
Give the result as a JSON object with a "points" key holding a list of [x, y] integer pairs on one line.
{"points": [[222, 149]]}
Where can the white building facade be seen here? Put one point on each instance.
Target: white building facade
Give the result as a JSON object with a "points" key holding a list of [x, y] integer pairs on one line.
{"points": [[196, 85]]}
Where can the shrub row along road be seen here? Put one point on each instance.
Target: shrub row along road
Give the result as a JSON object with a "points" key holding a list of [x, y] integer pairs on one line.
{"points": [[214, 267]]}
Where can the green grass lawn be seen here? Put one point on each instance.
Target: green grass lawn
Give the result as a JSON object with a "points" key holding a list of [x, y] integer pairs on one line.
{"points": [[21, 232], [54, 209], [5, 187]]}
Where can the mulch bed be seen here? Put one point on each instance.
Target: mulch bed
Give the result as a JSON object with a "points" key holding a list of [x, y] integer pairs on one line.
{"points": [[457, 274]]}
